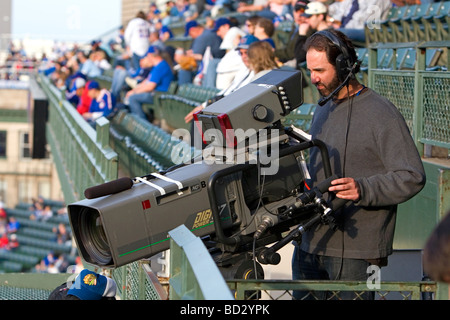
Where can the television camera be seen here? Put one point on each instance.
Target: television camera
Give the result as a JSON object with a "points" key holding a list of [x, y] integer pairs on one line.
{"points": [[245, 192]]}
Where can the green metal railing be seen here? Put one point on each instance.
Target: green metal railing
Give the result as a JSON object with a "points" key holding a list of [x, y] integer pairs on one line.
{"points": [[421, 95], [82, 154]]}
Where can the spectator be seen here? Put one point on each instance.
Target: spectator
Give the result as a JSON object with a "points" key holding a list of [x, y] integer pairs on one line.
{"points": [[192, 58], [71, 92], [136, 39], [352, 15], [84, 98], [88, 66], [231, 62], [13, 225], [4, 242], [102, 103], [47, 213], [286, 54], [262, 7], [159, 79], [250, 24], [314, 19], [221, 27], [264, 30], [243, 77], [164, 32], [62, 234], [88, 285], [13, 242], [261, 58]]}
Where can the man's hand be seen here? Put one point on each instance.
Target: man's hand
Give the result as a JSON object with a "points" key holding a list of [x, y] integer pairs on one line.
{"points": [[345, 188]]}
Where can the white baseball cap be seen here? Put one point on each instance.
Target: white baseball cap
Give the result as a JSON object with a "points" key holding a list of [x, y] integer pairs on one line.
{"points": [[314, 7]]}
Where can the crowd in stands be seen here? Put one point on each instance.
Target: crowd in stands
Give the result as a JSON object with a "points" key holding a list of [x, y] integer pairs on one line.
{"points": [[142, 60], [41, 211]]}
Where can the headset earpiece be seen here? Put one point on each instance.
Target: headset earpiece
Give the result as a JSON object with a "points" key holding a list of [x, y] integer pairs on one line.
{"points": [[344, 63]]}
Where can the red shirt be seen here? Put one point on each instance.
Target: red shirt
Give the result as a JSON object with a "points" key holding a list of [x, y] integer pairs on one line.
{"points": [[85, 101]]}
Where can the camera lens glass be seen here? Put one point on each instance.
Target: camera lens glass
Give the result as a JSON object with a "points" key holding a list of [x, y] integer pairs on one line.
{"points": [[93, 237]]}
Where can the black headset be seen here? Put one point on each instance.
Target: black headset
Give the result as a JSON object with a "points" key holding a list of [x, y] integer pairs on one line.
{"points": [[345, 66], [344, 62]]}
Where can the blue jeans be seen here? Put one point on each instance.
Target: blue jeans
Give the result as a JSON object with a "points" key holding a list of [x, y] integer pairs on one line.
{"points": [[211, 74], [136, 101], [118, 82], [306, 266]]}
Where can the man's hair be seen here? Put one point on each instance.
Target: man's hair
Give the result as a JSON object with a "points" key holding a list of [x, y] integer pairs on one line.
{"points": [[320, 42], [267, 25]]}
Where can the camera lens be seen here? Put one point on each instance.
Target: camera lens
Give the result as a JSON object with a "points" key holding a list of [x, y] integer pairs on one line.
{"points": [[93, 236]]}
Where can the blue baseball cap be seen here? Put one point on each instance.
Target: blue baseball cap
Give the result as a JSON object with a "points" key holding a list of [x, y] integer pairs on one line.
{"points": [[93, 85], [89, 285], [221, 22], [188, 27], [246, 41], [152, 49]]}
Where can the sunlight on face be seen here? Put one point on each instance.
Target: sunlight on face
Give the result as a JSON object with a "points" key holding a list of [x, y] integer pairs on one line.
{"points": [[323, 73]]}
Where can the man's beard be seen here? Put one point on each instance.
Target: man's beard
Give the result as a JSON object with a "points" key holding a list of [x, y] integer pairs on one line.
{"points": [[327, 89]]}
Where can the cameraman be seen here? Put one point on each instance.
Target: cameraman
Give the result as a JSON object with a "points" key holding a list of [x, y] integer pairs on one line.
{"points": [[371, 148]]}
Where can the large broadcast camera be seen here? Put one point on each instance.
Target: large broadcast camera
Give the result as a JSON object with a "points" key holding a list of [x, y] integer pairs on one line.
{"points": [[245, 191]]}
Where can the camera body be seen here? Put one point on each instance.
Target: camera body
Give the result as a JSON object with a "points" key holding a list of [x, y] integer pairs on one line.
{"points": [[229, 204]]}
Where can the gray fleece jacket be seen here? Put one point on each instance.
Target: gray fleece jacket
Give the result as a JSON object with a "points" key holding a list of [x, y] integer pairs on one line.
{"points": [[381, 156]]}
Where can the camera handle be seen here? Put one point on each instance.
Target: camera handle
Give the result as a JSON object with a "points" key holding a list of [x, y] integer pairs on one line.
{"points": [[233, 241], [271, 256]]}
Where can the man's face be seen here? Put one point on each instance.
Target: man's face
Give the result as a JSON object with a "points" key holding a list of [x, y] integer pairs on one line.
{"points": [[298, 18], [314, 20], [323, 73], [222, 31], [147, 61], [244, 56]]}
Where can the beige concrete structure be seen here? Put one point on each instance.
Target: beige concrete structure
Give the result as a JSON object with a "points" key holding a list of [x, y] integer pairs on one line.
{"points": [[21, 177]]}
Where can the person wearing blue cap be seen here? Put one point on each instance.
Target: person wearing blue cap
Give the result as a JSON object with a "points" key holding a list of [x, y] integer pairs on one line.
{"points": [[243, 76], [159, 79], [202, 39], [88, 285], [102, 103]]}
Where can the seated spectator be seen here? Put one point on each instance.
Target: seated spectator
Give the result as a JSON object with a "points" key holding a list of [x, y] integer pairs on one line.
{"points": [[88, 285], [352, 15], [102, 103], [314, 19], [285, 51], [231, 62], [47, 213], [84, 99], [264, 30], [13, 225], [250, 24], [159, 79], [4, 242], [101, 60], [261, 58], [62, 234], [192, 59], [164, 31], [264, 8], [71, 92], [13, 242], [243, 77], [88, 66]]}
